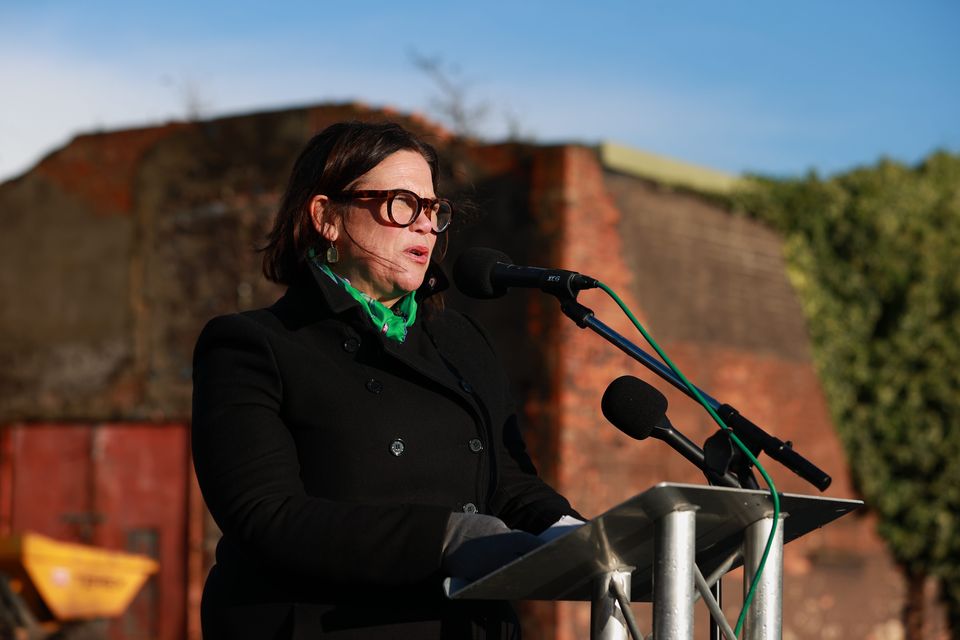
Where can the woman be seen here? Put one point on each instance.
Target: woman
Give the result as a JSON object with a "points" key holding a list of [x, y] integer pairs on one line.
{"points": [[355, 440]]}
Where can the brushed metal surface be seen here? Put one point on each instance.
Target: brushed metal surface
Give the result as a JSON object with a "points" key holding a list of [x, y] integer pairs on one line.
{"points": [[624, 537]]}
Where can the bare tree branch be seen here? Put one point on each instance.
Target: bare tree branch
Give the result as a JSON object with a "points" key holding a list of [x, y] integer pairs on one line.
{"points": [[452, 103]]}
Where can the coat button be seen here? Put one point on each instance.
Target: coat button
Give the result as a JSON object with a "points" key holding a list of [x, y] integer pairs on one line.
{"points": [[350, 345], [374, 385], [469, 508], [466, 386], [397, 447], [476, 445]]}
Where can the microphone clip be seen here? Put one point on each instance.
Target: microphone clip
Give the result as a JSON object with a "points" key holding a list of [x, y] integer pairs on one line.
{"points": [[720, 457]]}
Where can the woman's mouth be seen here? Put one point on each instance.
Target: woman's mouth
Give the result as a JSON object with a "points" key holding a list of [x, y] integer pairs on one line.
{"points": [[419, 254]]}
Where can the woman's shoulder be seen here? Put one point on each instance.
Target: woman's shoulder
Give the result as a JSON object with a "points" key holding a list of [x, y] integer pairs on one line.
{"points": [[283, 327], [283, 316], [232, 331], [242, 322]]}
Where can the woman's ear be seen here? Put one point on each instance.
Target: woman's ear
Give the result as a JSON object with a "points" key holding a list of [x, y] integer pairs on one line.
{"points": [[322, 218]]}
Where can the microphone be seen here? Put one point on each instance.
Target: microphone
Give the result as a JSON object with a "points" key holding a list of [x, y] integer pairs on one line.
{"points": [[639, 410], [634, 407], [487, 273]]}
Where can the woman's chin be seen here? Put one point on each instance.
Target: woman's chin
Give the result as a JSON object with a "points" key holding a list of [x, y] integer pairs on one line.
{"points": [[411, 280]]}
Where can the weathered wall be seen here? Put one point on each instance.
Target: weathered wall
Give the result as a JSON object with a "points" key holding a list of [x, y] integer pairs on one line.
{"points": [[116, 249], [712, 289]]}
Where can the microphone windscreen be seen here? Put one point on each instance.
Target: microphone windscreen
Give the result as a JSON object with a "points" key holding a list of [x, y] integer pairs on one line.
{"points": [[473, 272], [633, 406]]}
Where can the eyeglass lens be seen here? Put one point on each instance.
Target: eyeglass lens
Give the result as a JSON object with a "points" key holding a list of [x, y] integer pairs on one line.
{"points": [[405, 206]]}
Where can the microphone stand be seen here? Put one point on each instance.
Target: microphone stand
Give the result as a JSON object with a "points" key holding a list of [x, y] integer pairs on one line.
{"points": [[721, 457]]}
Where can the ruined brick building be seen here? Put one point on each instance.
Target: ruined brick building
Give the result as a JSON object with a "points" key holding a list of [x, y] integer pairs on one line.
{"points": [[118, 247]]}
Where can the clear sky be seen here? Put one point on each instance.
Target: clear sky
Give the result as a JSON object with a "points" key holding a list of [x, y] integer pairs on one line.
{"points": [[772, 87]]}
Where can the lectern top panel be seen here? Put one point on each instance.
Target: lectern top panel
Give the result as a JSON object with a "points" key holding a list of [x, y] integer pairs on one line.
{"points": [[624, 537]]}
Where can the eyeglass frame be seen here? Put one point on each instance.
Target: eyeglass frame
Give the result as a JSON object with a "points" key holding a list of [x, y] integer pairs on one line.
{"points": [[389, 195]]}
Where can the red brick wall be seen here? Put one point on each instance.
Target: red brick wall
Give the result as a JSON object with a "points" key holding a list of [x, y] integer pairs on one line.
{"points": [[101, 168], [118, 247], [755, 357]]}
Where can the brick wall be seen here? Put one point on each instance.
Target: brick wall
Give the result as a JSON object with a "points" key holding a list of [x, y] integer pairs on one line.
{"points": [[117, 248], [712, 289]]}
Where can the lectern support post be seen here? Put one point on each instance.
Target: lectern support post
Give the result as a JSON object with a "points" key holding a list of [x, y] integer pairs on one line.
{"points": [[606, 618], [674, 562], [763, 620]]}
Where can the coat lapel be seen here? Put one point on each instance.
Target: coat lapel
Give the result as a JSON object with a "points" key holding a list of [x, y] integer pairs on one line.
{"points": [[315, 300]]}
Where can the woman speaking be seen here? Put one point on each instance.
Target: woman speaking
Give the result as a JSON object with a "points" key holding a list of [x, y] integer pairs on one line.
{"points": [[355, 441]]}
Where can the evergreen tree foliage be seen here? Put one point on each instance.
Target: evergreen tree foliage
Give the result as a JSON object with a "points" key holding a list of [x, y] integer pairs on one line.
{"points": [[875, 256]]}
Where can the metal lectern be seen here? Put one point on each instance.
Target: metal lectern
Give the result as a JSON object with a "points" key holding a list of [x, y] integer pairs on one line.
{"points": [[651, 547]]}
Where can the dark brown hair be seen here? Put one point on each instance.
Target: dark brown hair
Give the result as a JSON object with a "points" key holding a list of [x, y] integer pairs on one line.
{"points": [[328, 164]]}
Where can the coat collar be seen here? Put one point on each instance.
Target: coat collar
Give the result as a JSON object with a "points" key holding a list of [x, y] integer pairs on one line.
{"points": [[315, 295], [338, 300]]}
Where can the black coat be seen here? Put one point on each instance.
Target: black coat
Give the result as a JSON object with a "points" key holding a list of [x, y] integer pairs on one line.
{"points": [[332, 457]]}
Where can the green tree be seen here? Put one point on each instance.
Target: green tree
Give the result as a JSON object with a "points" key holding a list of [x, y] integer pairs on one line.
{"points": [[875, 256]]}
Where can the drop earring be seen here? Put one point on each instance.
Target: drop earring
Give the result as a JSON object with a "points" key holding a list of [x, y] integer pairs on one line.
{"points": [[332, 255]]}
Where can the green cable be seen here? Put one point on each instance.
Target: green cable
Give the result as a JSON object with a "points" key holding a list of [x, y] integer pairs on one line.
{"points": [[713, 414]]}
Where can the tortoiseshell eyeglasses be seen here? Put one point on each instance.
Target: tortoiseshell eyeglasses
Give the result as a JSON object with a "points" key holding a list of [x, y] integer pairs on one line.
{"points": [[404, 206]]}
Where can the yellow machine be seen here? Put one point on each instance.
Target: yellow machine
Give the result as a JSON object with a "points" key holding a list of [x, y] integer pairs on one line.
{"points": [[51, 589]]}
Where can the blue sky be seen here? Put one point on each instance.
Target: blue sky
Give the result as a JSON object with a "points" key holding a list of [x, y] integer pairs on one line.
{"points": [[770, 87]]}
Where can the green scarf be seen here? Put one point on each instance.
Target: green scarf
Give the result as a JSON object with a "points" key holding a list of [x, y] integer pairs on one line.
{"points": [[393, 323]]}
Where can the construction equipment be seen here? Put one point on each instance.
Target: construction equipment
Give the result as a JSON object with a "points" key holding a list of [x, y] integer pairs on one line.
{"points": [[53, 590]]}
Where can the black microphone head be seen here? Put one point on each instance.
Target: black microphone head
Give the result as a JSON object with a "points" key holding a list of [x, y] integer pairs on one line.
{"points": [[473, 271], [633, 406]]}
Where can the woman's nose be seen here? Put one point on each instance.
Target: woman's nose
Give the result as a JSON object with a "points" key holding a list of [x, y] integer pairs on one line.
{"points": [[423, 222]]}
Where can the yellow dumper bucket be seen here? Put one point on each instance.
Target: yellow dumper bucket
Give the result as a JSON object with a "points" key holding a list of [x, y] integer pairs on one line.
{"points": [[75, 581]]}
